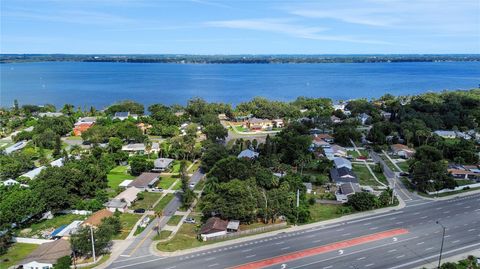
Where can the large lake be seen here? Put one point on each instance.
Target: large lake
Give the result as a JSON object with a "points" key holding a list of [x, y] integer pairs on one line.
{"points": [[101, 84]]}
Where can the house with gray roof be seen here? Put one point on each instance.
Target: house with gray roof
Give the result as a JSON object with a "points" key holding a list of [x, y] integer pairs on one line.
{"points": [[342, 162], [145, 181], [248, 153], [162, 164], [345, 190], [343, 175], [47, 254]]}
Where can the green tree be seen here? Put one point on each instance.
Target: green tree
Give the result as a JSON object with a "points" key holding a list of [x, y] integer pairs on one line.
{"points": [[215, 132], [63, 263], [362, 201]]}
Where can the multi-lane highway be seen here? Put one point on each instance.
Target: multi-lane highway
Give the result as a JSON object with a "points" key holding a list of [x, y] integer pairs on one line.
{"points": [[359, 243]]}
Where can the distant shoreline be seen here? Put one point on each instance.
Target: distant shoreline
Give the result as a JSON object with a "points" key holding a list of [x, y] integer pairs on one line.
{"points": [[238, 59]]}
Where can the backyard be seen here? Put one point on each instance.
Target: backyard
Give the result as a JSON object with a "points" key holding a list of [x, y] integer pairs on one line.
{"points": [[174, 220], [47, 226], [320, 212], [166, 181], [117, 175], [364, 176], [128, 221], [149, 198], [16, 253]]}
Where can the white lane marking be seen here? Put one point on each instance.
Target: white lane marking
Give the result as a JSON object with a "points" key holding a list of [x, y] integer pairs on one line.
{"points": [[310, 236], [316, 241], [212, 265], [130, 265], [416, 213], [392, 250], [399, 222], [456, 241], [401, 256], [209, 259], [285, 248], [368, 223], [433, 256], [123, 255], [279, 243], [347, 234], [327, 267], [247, 250], [361, 258], [424, 217], [447, 236], [418, 244], [339, 230], [374, 228], [392, 218], [171, 267], [370, 264], [251, 256], [471, 230], [427, 249]]}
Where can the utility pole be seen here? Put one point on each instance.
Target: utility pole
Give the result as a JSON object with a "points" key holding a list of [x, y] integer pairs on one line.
{"points": [[441, 247], [298, 204], [93, 245]]}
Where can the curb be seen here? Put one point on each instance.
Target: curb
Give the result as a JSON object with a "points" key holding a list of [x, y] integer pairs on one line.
{"points": [[321, 224]]}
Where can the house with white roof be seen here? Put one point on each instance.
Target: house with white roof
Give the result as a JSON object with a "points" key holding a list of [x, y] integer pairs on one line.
{"points": [[342, 162]]}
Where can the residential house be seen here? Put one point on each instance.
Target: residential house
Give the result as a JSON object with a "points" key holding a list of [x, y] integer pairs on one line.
{"points": [[403, 151], [325, 137], [342, 162], [386, 115], [222, 117], [79, 129], [86, 120], [339, 151], [329, 154], [212, 228], [278, 123], [33, 173], [363, 118], [335, 119], [116, 205], [47, 254], [345, 190], [319, 143], [248, 153], [308, 186], [256, 124], [343, 175], [145, 181], [446, 134], [144, 127], [10, 182], [124, 115], [465, 174], [162, 164], [50, 114], [96, 218], [17, 146], [122, 201], [140, 148]]}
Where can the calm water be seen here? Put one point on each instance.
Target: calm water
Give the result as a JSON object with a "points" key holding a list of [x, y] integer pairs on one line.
{"points": [[100, 84]]}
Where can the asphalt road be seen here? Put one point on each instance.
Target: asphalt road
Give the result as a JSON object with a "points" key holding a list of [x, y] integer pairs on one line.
{"points": [[419, 246]]}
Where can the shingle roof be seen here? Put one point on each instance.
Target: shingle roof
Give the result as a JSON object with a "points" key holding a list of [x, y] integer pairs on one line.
{"points": [[349, 188], [145, 179], [129, 194], [214, 225], [162, 163], [342, 162], [49, 252], [96, 218], [343, 175]]}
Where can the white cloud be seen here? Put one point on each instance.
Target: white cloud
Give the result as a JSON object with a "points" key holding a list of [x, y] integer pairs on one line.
{"points": [[287, 28], [69, 16]]}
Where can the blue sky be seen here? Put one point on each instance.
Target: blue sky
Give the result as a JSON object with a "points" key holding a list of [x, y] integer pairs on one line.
{"points": [[240, 26]]}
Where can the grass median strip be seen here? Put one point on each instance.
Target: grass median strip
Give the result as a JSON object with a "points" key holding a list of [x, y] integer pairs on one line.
{"points": [[164, 202]]}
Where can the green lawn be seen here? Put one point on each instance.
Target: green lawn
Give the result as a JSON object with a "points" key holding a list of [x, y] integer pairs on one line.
{"points": [[16, 253], [174, 220], [162, 235], [128, 221], [364, 176], [74, 138], [117, 175], [166, 182], [139, 229], [164, 202], [177, 186], [50, 224], [176, 166], [379, 175], [403, 165], [194, 167], [355, 154], [319, 212], [389, 163], [149, 198], [239, 129]]}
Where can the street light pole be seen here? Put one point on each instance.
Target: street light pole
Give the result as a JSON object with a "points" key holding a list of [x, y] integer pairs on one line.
{"points": [[93, 245], [441, 247]]}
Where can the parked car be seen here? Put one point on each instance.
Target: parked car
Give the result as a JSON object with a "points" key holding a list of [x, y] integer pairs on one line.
{"points": [[156, 189], [139, 210], [192, 185], [189, 220]]}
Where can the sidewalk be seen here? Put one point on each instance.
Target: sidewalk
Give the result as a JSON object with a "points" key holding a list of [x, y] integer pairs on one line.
{"points": [[321, 225]]}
